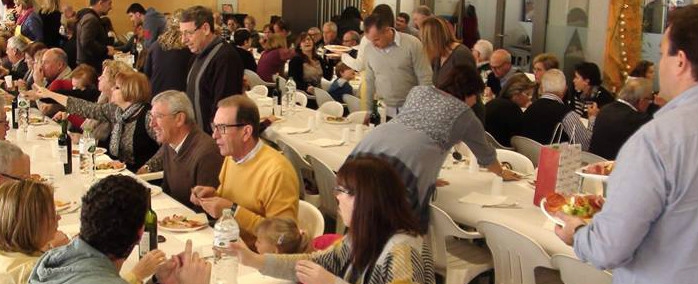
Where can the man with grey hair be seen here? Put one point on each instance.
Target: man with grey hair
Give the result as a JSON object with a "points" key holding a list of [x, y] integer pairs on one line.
{"points": [[482, 51], [541, 118], [351, 39], [316, 34], [14, 164], [619, 120], [420, 14], [188, 156], [15, 54], [54, 70], [502, 70], [329, 34]]}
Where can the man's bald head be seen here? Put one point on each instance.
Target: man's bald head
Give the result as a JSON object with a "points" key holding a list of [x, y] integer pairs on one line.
{"points": [[54, 61], [500, 62]]}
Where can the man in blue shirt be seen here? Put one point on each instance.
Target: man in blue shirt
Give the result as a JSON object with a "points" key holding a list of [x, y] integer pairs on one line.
{"points": [[647, 231]]}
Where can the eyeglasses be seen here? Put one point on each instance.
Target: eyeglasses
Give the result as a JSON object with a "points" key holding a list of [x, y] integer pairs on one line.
{"points": [[10, 176], [159, 116], [190, 33], [221, 128], [340, 189]]}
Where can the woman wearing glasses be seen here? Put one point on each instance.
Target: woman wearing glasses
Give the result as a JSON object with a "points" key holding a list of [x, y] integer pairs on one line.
{"points": [[132, 141], [28, 227], [370, 196]]}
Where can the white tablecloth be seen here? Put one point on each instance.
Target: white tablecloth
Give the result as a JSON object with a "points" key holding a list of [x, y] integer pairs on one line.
{"points": [[44, 161]]}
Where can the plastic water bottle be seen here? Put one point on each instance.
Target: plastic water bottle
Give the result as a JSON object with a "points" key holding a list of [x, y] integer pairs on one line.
{"points": [[88, 146], [291, 93], [225, 267]]}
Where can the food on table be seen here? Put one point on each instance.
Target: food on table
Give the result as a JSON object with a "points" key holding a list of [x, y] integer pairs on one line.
{"points": [[337, 48], [60, 204], [179, 222], [112, 165], [602, 168], [36, 120], [37, 178], [50, 135], [583, 206], [335, 119]]}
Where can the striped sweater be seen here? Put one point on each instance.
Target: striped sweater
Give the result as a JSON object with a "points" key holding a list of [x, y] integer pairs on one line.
{"points": [[405, 259]]}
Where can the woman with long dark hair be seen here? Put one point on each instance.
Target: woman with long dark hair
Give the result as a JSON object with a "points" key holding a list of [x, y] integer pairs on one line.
{"points": [[307, 68], [370, 196]]}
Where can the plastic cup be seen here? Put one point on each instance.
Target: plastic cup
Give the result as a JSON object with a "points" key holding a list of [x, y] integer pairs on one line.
{"points": [[8, 81], [358, 132]]}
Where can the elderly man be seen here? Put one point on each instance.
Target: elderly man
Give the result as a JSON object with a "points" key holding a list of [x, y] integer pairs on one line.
{"points": [[617, 121], [256, 181], [54, 73], [15, 54], [91, 35], [647, 229], [419, 15], [14, 164], [482, 51], [395, 62], [188, 156], [153, 22], [351, 39], [329, 34], [542, 117], [217, 69], [316, 34], [502, 70]]}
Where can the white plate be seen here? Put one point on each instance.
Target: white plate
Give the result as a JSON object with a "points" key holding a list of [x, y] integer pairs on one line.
{"points": [[345, 121], [38, 122], [111, 171], [552, 218], [65, 206], [74, 206], [40, 136], [337, 48], [581, 172], [184, 230]]}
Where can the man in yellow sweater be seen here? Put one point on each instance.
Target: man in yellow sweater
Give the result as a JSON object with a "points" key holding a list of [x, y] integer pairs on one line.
{"points": [[256, 181]]}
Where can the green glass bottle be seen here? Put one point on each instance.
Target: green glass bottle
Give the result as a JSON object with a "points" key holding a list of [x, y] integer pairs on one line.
{"points": [[149, 240], [65, 148]]}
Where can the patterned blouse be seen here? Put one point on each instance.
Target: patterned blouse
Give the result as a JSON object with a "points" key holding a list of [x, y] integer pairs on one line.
{"points": [[107, 112], [405, 259]]}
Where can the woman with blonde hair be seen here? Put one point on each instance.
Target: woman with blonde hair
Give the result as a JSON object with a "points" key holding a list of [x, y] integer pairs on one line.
{"points": [[28, 226], [131, 141], [167, 58], [274, 57], [28, 22], [281, 235]]}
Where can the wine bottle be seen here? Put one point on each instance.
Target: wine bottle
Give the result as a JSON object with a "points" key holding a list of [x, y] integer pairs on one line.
{"points": [[375, 117], [276, 95], [149, 239], [15, 113], [65, 148]]}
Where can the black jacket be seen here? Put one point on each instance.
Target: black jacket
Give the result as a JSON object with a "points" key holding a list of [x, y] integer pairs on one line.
{"points": [[92, 39], [541, 118], [503, 120], [615, 123]]}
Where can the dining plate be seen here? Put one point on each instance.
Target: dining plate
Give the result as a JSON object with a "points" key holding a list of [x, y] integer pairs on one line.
{"points": [[336, 120], [37, 121], [552, 218], [337, 48], [61, 204], [115, 167], [52, 135], [584, 171], [181, 223]]}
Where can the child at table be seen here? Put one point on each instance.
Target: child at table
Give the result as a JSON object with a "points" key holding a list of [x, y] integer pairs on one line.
{"points": [[281, 236], [341, 85]]}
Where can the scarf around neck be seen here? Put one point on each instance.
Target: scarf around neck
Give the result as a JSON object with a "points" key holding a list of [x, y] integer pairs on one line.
{"points": [[122, 116], [24, 16]]}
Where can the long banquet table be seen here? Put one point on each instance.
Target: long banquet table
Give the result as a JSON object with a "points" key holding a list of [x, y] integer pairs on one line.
{"points": [[528, 220], [44, 161]]}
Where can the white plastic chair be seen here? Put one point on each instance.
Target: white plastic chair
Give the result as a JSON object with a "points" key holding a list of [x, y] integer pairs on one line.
{"points": [[458, 261], [518, 162], [574, 271], [515, 255], [528, 147], [322, 96], [310, 219], [301, 99], [326, 181], [301, 166], [325, 84], [253, 79], [259, 91], [357, 117], [353, 102], [591, 158], [332, 108], [495, 143]]}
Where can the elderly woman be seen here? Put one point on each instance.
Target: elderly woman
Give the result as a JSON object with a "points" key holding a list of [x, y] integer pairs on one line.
{"points": [[28, 226], [541, 63], [29, 22], [370, 196], [307, 68], [505, 112], [131, 140], [273, 58]]}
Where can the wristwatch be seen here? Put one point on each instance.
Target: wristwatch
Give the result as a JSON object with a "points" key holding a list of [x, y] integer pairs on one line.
{"points": [[234, 208]]}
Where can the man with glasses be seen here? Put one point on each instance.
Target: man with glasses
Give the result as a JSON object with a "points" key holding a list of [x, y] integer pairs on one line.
{"points": [[256, 181], [14, 164], [187, 155], [502, 70], [92, 39], [617, 121], [217, 69], [351, 39]]}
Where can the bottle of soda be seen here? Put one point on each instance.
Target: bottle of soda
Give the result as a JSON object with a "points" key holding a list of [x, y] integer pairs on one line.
{"points": [[149, 239], [375, 117], [225, 266], [65, 148]]}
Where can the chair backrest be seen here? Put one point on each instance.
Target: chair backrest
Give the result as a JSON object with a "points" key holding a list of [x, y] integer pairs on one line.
{"points": [[259, 91], [301, 99], [325, 84], [322, 96], [528, 147], [282, 83], [299, 164], [353, 102], [442, 226], [254, 80], [590, 158], [518, 162], [326, 181], [515, 255], [357, 117], [310, 219], [574, 271], [332, 108], [495, 143]]}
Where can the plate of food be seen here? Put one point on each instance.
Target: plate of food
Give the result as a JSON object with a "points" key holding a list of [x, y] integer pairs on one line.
{"points": [[110, 167], [37, 121], [61, 205], [52, 135], [582, 206], [181, 223], [337, 48], [38, 178], [598, 171], [336, 120], [98, 151]]}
